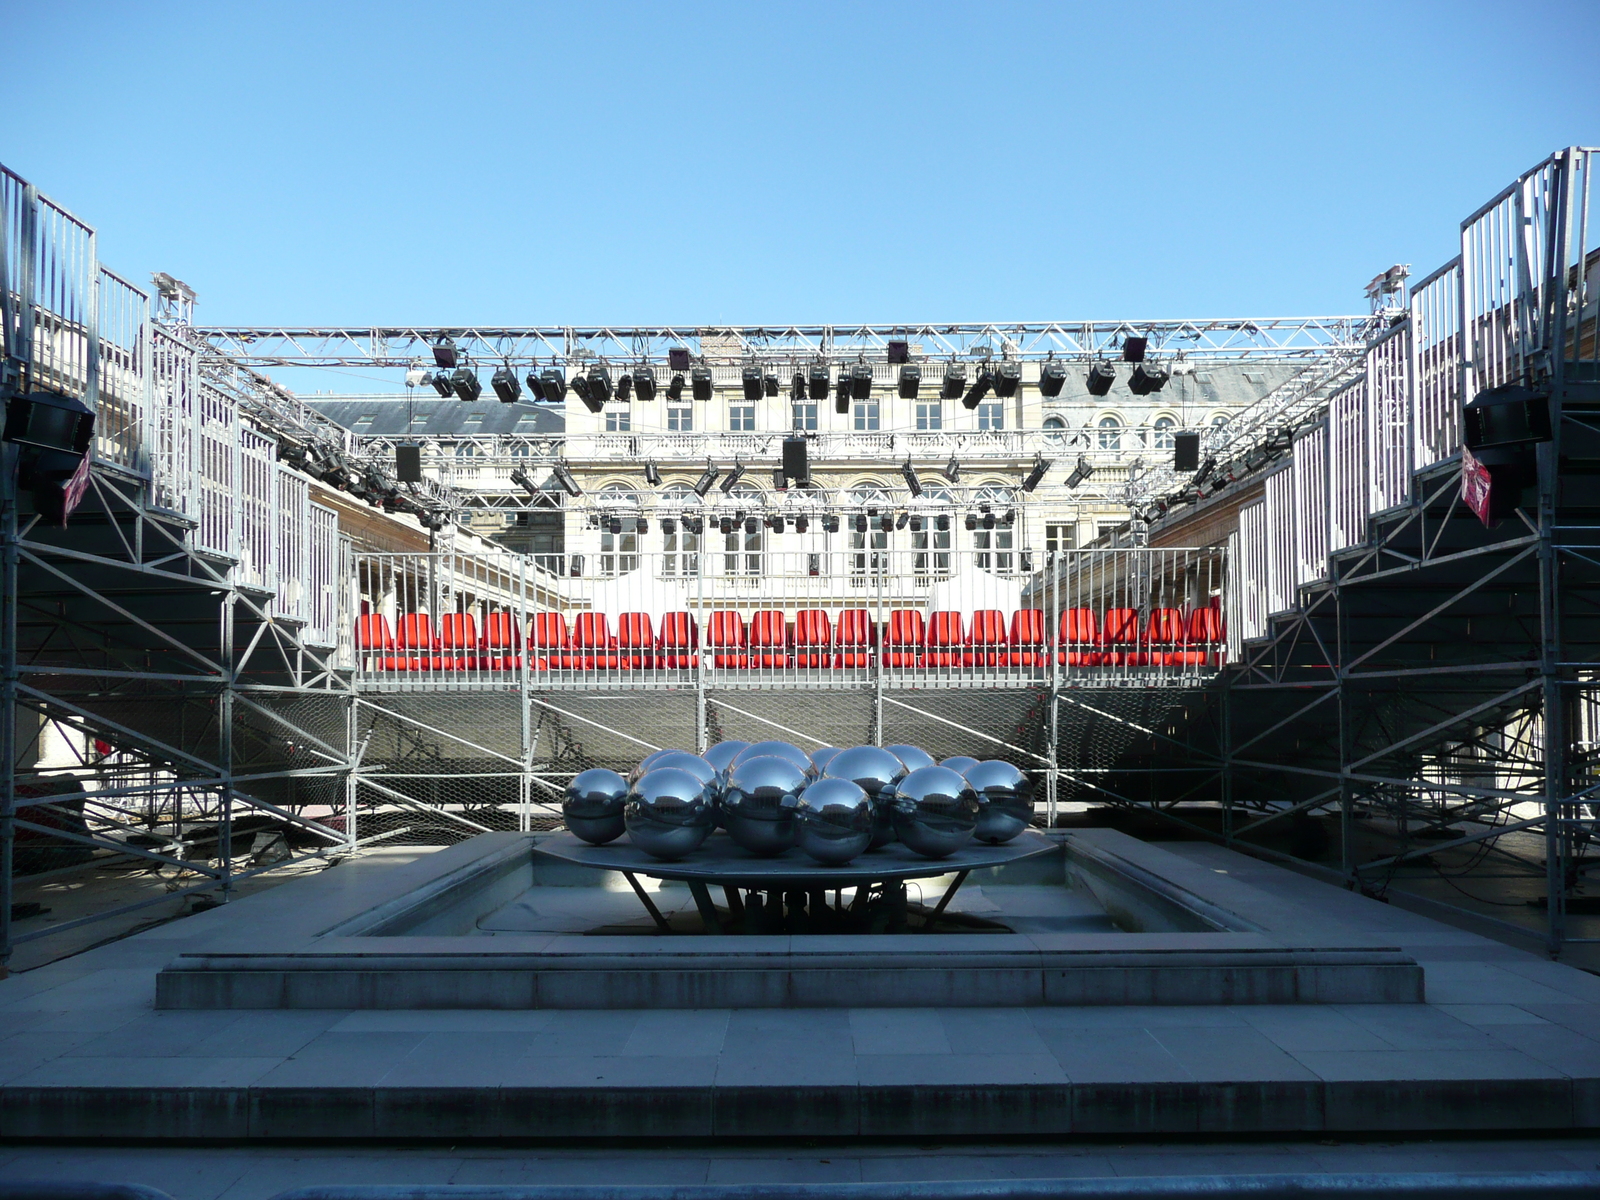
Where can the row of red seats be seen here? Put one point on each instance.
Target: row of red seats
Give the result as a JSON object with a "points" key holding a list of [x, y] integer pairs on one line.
{"points": [[943, 639]]}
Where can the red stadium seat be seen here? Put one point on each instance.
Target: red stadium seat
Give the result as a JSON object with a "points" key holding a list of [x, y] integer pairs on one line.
{"points": [[375, 642], [502, 641], [725, 636], [458, 638], [1079, 637], [680, 641], [1164, 634], [1027, 638], [903, 642], [1205, 633], [548, 642], [593, 647], [769, 639], [813, 638], [986, 640], [857, 638], [1119, 637], [417, 634], [636, 641], [942, 642]]}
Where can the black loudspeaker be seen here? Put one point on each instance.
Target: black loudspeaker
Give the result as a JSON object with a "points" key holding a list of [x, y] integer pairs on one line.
{"points": [[794, 459], [408, 464], [49, 421], [899, 352], [678, 358], [1509, 415], [1186, 452]]}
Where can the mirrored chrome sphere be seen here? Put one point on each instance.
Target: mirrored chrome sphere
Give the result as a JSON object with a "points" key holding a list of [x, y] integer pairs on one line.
{"points": [[721, 755], [833, 822], [682, 760], [960, 764], [1005, 800], [774, 749], [593, 805], [820, 757], [874, 770], [759, 803], [668, 813], [935, 812], [912, 756]]}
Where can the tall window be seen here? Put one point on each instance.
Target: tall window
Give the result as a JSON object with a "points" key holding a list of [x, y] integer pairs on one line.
{"points": [[742, 548], [1110, 433], [466, 450], [930, 416], [993, 416], [619, 420], [680, 418], [680, 548], [1164, 429], [619, 552], [1060, 537], [994, 546], [869, 548], [803, 416], [930, 545], [866, 416], [742, 418]]}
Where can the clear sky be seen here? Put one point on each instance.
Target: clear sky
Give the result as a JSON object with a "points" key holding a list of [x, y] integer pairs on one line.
{"points": [[521, 163]]}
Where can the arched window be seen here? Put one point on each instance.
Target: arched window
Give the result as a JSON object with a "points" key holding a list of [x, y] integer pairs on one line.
{"points": [[619, 551], [995, 537], [681, 547], [1164, 428], [1220, 421], [742, 547], [869, 547], [1110, 433], [930, 545]]}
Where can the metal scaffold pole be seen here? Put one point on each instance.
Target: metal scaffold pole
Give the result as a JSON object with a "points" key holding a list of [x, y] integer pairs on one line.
{"points": [[225, 744], [8, 697], [524, 709]]}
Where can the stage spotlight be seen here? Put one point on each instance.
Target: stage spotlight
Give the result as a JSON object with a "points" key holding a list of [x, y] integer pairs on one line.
{"points": [[830, 524], [535, 388], [564, 478], [1133, 349], [980, 387], [988, 520], [1041, 464], [1080, 472], [1008, 518], [818, 378], [861, 381], [641, 525], [555, 384], [769, 383], [652, 473], [751, 525], [441, 383], [1185, 451], [1007, 379], [581, 385], [600, 383], [1100, 378], [444, 353], [1205, 470], [669, 526], [466, 384], [678, 358], [942, 522], [971, 522], [614, 526], [675, 388], [751, 378], [902, 520], [802, 523], [841, 393], [775, 524], [1147, 378], [909, 473], [886, 522], [725, 525], [861, 523], [733, 477], [700, 380], [955, 381], [644, 383], [797, 388], [910, 381], [506, 387], [916, 524], [952, 469], [899, 352], [780, 481], [524, 481], [1052, 378], [707, 478], [624, 386]]}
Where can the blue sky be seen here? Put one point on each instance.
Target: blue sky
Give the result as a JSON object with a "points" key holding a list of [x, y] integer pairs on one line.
{"points": [[705, 163]]}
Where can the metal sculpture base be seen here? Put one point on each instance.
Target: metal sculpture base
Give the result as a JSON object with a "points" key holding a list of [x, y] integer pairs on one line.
{"points": [[789, 893]]}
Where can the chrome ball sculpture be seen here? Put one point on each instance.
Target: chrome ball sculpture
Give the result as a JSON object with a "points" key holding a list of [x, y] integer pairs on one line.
{"points": [[775, 749], [649, 761], [960, 764], [668, 813], [593, 804], [721, 755], [935, 812], [682, 760], [833, 822], [1005, 800], [820, 757], [875, 771], [760, 801], [912, 756]]}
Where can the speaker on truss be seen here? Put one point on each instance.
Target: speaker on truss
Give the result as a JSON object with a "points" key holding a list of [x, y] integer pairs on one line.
{"points": [[408, 464], [678, 358], [1186, 452], [795, 465], [899, 352]]}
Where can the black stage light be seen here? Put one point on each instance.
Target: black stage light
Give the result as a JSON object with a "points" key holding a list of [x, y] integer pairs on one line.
{"points": [[830, 524], [695, 525], [408, 464], [624, 387], [644, 383], [916, 524], [1147, 378], [600, 383], [1052, 377], [1041, 464], [902, 520], [564, 478], [795, 459], [444, 354], [700, 381], [555, 384], [910, 381], [1080, 472], [899, 352], [952, 469], [1007, 379], [50, 421], [614, 526], [818, 380], [707, 478], [775, 524], [1100, 378], [678, 359], [988, 520], [524, 481], [441, 383], [779, 479], [669, 526], [980, 387], [841, 393], [1008, 518], [725, 525], [751, 378], [861, 523], [1205, 470], [955, 381], [861, 381], [652, 473], [769, 384], [942, 522], [1185, 451], [506, 387], [675, 388], [797, 389], [582, 386], [466, 384], [909, 473], [751, 524], [535, 388], [641, 525], [1133, 349], [733, 477], [802, 523], [971, 521], [886, 522]]}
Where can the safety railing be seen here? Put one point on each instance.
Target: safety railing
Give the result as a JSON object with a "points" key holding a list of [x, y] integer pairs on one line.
{"points": [[1388, 420], [1280, 529], [124, 327], [1251, 590], [1436, 365], [1347, 467], [1309, 469]]}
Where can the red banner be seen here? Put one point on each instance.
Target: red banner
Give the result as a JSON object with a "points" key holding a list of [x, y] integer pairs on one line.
{"points": [[1476, 485]]}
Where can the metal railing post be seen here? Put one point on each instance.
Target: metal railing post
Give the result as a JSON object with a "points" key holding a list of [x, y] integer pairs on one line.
{"points": [[8, 694]]}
